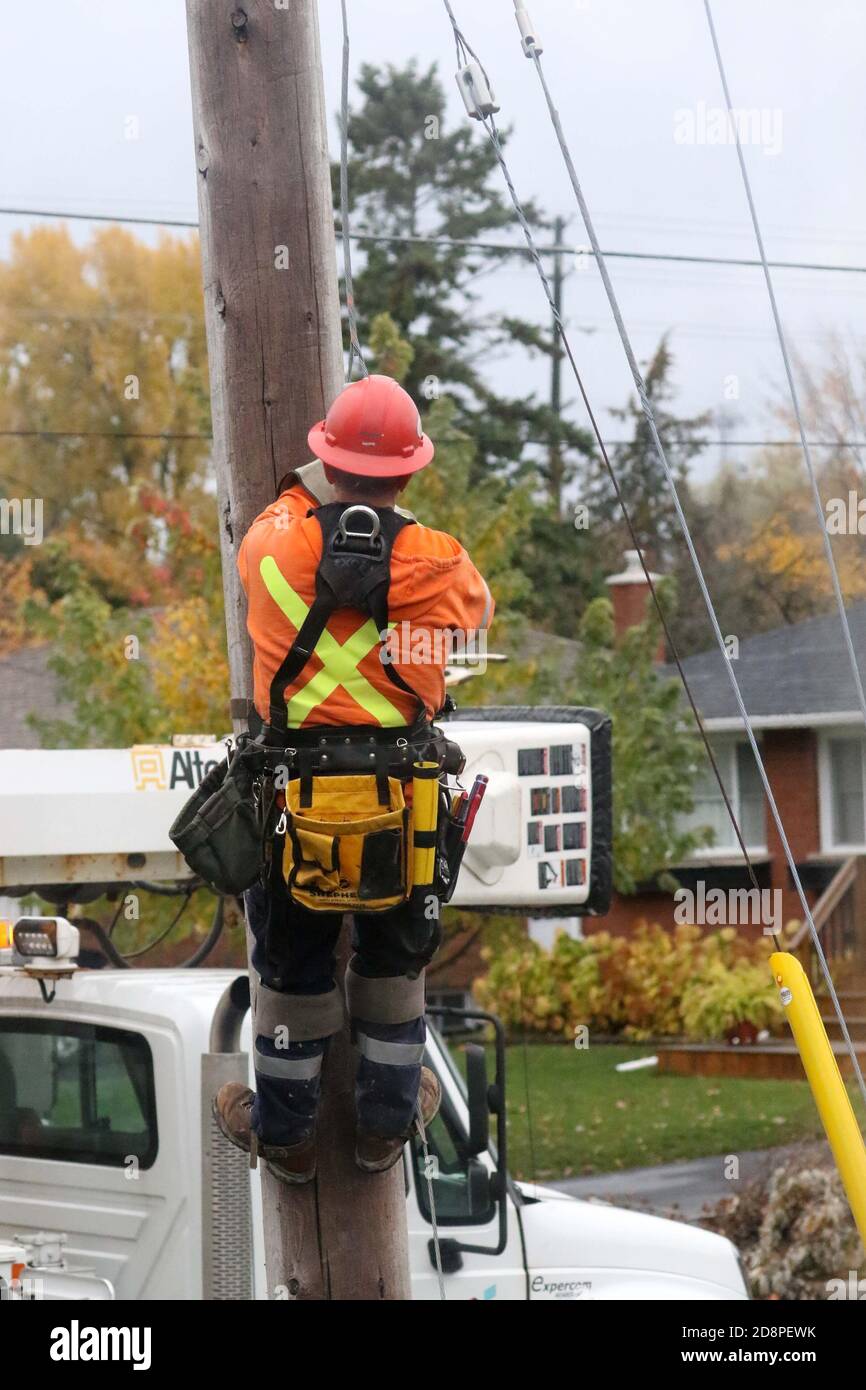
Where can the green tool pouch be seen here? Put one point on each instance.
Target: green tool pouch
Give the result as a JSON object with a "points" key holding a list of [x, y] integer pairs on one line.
{"points": [[223, 829]]}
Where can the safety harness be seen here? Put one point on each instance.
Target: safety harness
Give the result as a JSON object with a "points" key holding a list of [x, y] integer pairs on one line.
{"points": [[354, 572], [353, 841]]}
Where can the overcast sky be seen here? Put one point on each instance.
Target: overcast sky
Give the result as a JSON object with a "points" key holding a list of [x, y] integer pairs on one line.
{"points": [[623, 73]]}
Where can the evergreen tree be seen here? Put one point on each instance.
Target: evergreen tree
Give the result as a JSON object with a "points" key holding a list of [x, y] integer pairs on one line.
{"points": [[639, 471]]}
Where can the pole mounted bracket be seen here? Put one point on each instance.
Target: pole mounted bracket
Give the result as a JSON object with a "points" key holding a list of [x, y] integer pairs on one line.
{"points": [[478, 96], [528, 32]]}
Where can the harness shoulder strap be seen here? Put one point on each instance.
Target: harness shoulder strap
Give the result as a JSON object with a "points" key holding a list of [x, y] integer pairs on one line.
{"points": [[354, 572]]}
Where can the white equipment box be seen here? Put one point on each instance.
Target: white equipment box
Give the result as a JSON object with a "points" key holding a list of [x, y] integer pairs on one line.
{"points": [[542, 837]]}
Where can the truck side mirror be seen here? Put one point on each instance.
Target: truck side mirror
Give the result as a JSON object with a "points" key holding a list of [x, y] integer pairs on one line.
{"points": [[478, 1099], [482, 1100]]}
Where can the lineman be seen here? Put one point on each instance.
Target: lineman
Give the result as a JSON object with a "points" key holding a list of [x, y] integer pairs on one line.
{"points": [[302, 563]]}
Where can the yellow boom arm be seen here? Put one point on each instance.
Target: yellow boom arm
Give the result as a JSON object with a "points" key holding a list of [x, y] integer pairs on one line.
{"points": [[824, 1077]]}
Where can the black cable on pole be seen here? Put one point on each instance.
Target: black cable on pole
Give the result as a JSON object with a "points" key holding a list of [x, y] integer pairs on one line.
{"points": [[157, 940], [355, 353], [110, 950], [203, 951], [122, 960]]}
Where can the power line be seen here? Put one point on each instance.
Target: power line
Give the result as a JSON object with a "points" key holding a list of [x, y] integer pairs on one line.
{"points": [[619, 443], [676, 258], [98, 217], [773, 443], [494, 247], [98, 434]]}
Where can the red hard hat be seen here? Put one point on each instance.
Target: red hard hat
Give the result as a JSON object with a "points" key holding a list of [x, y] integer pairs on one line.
{"points": [[373, 427]]}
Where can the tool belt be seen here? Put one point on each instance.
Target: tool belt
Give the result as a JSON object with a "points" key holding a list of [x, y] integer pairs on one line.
{"points": [[362, 817], [331, 781]]}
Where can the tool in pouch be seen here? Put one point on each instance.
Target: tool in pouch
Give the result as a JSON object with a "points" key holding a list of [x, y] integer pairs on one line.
{"points": [[458, 827]]}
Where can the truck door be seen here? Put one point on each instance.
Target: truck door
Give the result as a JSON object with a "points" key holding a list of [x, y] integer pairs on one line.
{"points": [[81, 1151], [465, 1212]]}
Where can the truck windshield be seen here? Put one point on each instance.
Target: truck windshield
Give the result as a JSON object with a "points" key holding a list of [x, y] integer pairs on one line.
{"points": [[76, 1091]]}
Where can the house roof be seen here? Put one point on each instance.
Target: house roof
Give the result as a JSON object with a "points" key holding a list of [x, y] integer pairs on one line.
{"points": [[26, 684], [799, 674]]}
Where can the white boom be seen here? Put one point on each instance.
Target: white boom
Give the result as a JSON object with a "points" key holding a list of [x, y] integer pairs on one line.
{"points": [[96, 816]]}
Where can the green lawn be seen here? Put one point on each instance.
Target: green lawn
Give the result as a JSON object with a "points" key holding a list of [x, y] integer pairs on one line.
{"points": [[588, 1118]]}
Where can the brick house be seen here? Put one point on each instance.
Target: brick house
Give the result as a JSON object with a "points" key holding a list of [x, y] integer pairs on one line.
{"points": [[798, 687]]}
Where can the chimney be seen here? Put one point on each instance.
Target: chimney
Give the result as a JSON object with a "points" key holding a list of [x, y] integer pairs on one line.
{"points": [[628, 594]]}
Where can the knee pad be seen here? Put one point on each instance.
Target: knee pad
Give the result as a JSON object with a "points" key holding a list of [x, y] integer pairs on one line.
{"points": [[388, 999], [291, 1018]]}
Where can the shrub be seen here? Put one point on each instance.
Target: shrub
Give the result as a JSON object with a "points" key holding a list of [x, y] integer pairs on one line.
{"points": [[794, 1231], [726, 995], [652, 983]]}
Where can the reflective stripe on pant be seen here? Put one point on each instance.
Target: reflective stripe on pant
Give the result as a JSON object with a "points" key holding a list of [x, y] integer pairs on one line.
{"points": [[389, 1074], [288, 1086]]}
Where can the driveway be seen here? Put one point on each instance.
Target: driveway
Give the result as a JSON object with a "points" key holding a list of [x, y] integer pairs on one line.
{"points": [[682, 1188]]}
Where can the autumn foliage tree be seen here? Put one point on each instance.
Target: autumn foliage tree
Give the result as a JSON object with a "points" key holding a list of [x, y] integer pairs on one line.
{"points": [[770, 567], [103, 394]]}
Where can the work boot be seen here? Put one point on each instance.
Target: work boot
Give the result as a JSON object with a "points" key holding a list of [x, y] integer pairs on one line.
{"points": [[233, 1112], [374, 1153]]}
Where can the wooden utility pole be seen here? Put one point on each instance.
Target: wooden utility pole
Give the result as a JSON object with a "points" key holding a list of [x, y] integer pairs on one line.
{"points": [[275, 353]]}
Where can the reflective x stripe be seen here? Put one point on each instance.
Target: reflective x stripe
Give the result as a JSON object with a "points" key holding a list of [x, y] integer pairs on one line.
{"points": [[288, 1068], [392, 1054], [339, 663]]}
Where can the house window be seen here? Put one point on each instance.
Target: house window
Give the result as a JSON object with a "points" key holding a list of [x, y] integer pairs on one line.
{"points": [[736, 764], [844, 769]]}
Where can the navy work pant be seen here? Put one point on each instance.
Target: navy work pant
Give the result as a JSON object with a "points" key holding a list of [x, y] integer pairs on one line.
{"points": [[294, 955]]}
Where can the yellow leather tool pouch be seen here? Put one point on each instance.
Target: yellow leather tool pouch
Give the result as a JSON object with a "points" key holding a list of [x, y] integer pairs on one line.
{"points": [[345, 851]]}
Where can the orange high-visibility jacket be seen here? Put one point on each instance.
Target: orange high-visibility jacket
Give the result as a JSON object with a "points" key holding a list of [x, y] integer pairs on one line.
{"points": [[434, 587]]}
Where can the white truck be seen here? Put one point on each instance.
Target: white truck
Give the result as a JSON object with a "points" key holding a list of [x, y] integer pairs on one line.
{"points": [[107, 1075], [107, 1136]]}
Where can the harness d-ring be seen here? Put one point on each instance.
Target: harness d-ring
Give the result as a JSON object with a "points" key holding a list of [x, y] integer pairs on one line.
{"points": [[359, 535]]}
